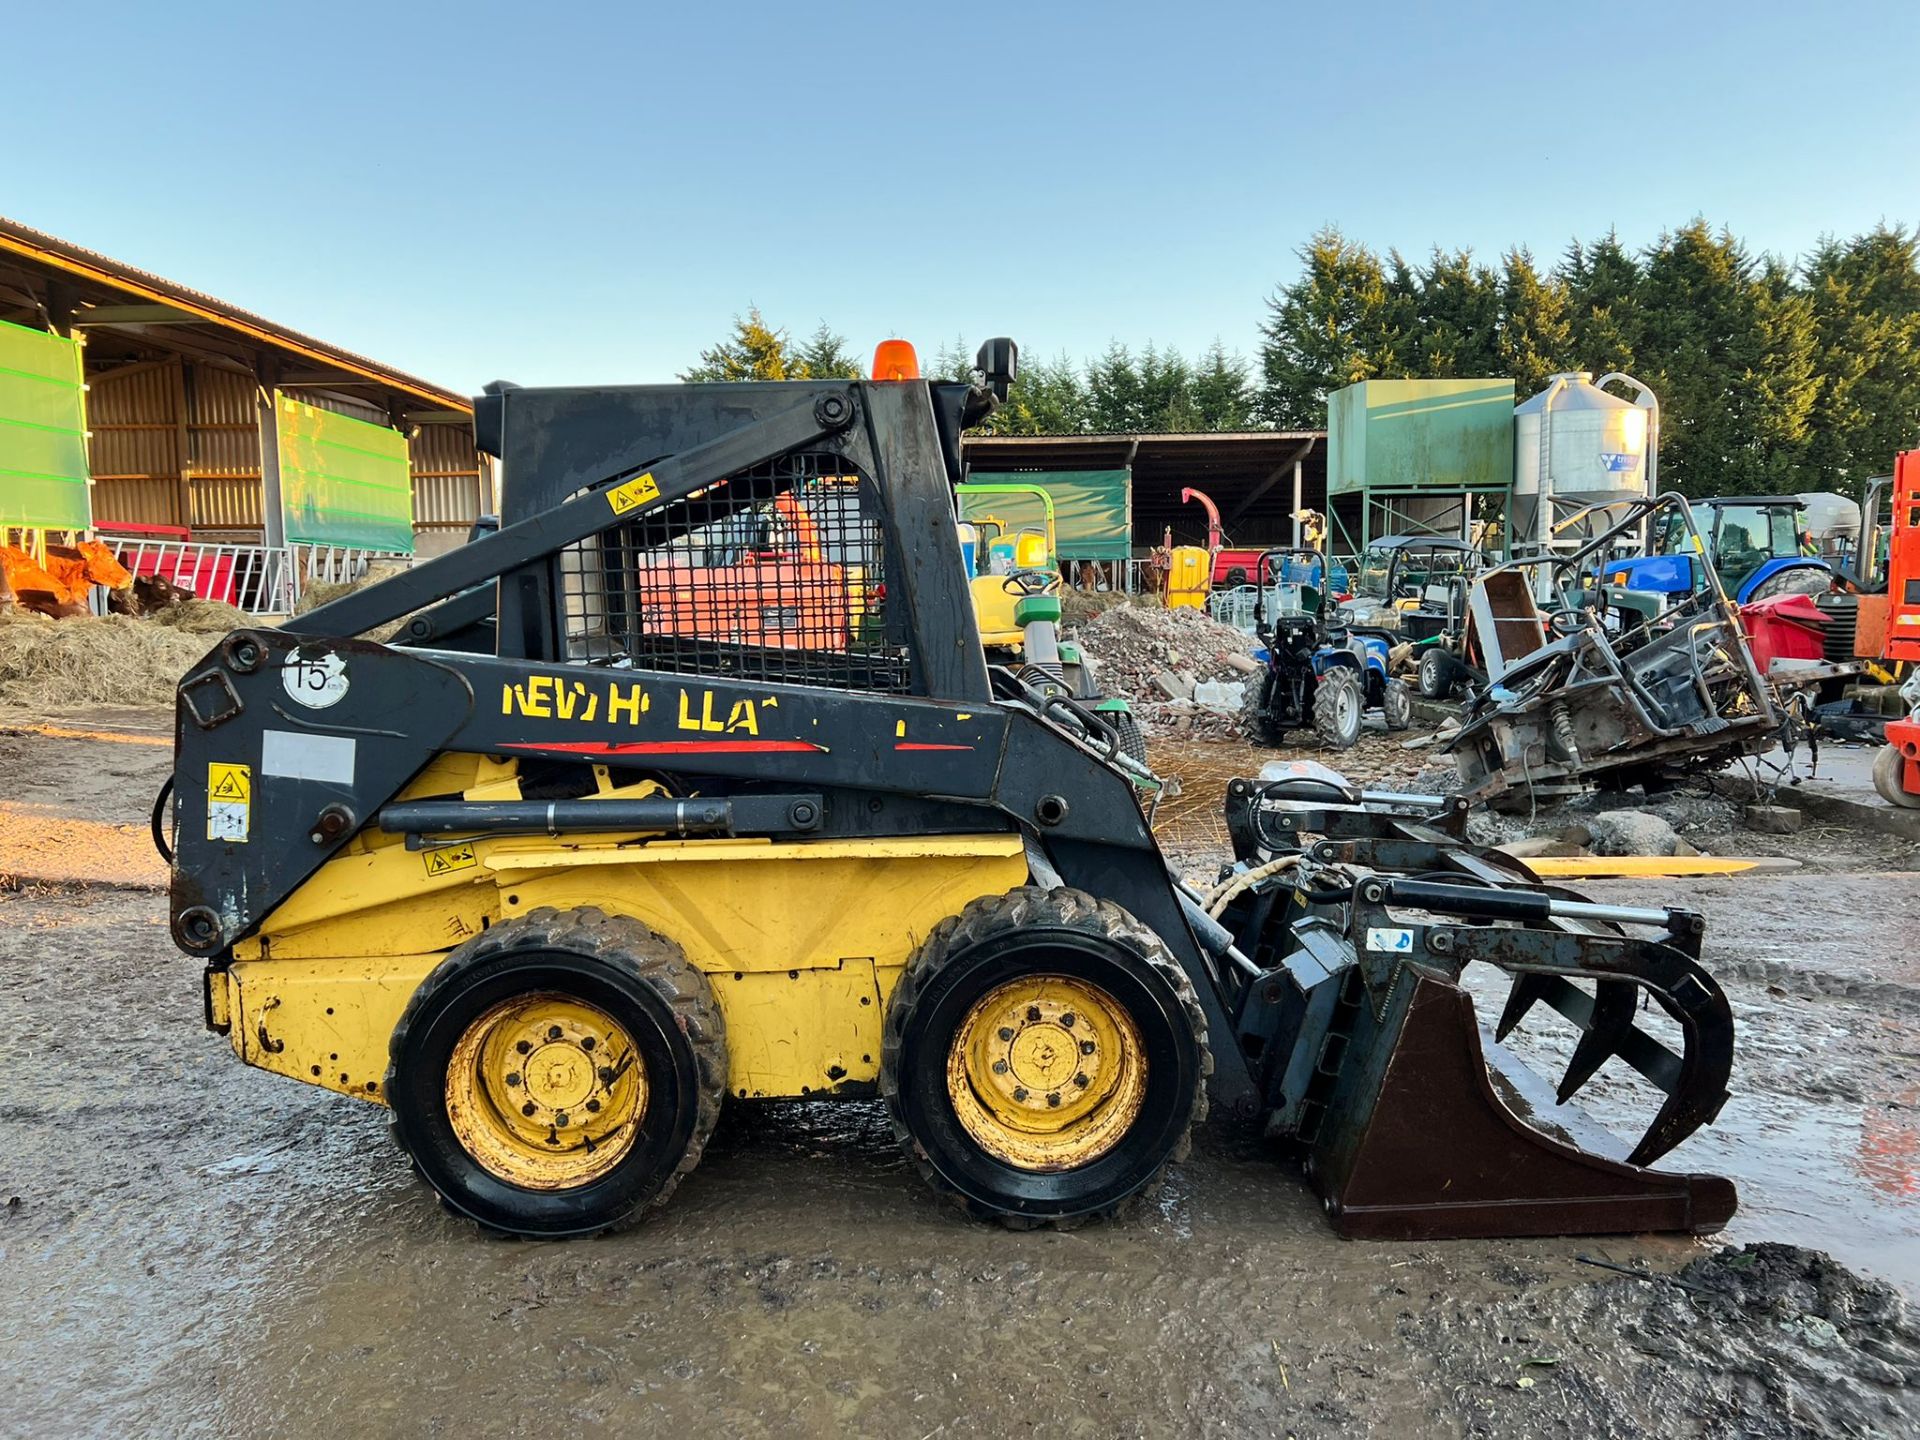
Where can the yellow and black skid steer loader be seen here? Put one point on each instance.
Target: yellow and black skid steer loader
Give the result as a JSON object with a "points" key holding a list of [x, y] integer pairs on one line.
{"points": [[691, 784]]}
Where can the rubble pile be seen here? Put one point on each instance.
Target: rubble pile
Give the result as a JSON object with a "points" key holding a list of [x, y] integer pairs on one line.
{"points": [[1185, 673]]}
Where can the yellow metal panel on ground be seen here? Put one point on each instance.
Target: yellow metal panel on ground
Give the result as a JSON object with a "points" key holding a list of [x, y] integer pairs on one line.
{"points": [[1602, 866]]}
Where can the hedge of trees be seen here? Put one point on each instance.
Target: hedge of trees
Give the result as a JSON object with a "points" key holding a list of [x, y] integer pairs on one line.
{"points": [[1772, 377]]}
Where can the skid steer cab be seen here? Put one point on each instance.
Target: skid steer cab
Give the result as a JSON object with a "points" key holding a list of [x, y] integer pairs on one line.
{"points": [[692, 784]]}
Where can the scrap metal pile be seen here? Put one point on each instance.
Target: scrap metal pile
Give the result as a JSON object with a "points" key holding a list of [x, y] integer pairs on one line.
{"points": [[1581, 690]]}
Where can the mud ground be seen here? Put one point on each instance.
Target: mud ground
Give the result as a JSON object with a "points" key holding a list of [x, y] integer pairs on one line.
{"points": [[191, 1247]]}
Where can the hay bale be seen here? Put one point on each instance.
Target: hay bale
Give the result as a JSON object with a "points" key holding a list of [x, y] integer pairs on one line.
{"points": [[202, 617], [317, 593], [95, 660]]}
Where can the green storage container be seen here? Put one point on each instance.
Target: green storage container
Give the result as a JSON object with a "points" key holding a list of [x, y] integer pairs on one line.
{"points": [[1399, 435]]}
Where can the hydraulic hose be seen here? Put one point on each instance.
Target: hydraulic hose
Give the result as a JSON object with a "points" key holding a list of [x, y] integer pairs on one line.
{"points": [[158, 822], [1223, 894]]}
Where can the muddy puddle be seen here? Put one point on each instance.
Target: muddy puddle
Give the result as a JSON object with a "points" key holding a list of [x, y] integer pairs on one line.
{"points": [[1820, 1134]]}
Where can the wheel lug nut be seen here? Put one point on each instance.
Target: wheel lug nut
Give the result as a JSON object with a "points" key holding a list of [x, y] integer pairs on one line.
{"points": [[1019, 1092], [593, 1107], [587, 1043], [1053, 1097], [1086, 1047], [523, 1047], [999, 1067], [528, 1108], [1006, 1033], [514, 1079], [606, 1075], [561, 1118], [1067, 1020], [553, 1032], [1081, 1080], [1033, 1014]]}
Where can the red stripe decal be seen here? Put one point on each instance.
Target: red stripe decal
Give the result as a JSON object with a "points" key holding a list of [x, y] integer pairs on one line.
{"points": [[672, 747], [913, 745]]}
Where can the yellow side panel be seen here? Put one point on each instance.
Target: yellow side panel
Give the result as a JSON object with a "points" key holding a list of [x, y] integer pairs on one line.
{"points": [[325, 1021], [1188, 579], [771, 907], [805, 1031], [390, 901], [802, 942]]}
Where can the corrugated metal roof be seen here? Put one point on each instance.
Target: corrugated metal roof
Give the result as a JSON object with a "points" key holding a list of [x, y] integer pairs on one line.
{"points": [[103, 269]]}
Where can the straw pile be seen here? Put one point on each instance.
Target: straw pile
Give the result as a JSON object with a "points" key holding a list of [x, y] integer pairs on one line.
{"points": [[202, 617], [95, 660], [317, 593]]}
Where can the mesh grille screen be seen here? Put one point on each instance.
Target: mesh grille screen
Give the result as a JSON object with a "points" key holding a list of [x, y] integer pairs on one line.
{"points": [[775, 574]]}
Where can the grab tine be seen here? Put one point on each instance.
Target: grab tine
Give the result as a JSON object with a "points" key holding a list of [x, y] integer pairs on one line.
{"points": [[1614, 1002], [1527, 989]]}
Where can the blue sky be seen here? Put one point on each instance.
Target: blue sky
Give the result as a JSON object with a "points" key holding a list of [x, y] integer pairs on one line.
{"points": [[588, 193]]}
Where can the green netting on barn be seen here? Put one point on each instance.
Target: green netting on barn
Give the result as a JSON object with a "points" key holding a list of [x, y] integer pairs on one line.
{"points": [[343, 481], [1092, 509], [43, 432]]}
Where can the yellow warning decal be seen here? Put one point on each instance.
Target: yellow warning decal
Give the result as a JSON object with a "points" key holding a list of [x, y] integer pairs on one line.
{"points": [[630, 495], [230, 782], [449, 859], [229, 802]]}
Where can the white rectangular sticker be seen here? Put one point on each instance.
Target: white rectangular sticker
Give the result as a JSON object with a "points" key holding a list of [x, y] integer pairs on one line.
{"points": [[1391, 941], [294, 755]]}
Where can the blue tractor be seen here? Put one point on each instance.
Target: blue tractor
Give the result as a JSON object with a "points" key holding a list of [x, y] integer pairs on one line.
{"points": [[1321, 674], [1759, 545]]}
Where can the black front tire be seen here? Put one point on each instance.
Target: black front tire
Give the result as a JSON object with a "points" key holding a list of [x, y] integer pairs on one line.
{"points": [[997, 940], [1889, 778], [1338, 707], [637, 978], [1436, 673], [1268, 726]]}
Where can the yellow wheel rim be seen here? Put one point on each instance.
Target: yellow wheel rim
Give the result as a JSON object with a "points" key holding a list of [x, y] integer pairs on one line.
{"points": [[546, 1092], [1047, 1073]]}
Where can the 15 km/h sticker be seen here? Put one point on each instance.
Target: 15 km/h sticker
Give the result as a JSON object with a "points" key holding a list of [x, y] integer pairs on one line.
{"points": [[229, 802], [315, 681]]}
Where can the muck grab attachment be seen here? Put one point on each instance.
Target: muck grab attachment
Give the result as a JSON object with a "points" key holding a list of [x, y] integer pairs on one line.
{"points": [[691, 784], [1360, 914]]}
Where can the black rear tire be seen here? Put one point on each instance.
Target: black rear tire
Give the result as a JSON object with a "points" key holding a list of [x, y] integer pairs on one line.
{"points": [[1001, 940], [1133, 740], [638, 979], [1396, 706], [1436, 673]]}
